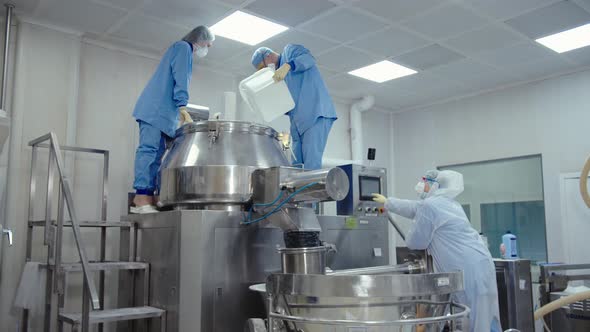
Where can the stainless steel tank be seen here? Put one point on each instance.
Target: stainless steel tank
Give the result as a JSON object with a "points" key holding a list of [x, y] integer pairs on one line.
{"points": [[210, 163], [303, 260], [372, 303]]}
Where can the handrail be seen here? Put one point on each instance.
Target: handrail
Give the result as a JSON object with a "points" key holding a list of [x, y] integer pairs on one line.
{"points": [[55, 152], [74, 148], [463, 315]]}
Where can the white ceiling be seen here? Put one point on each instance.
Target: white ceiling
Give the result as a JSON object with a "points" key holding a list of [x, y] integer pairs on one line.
{"points": [[459, 47]]}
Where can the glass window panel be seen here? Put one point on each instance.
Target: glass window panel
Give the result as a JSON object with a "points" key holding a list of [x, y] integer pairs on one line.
{"points": [[506, 194]]}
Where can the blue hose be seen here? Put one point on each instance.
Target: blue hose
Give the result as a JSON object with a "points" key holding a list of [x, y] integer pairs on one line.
{"points": [[249, 217], [248, 220]]}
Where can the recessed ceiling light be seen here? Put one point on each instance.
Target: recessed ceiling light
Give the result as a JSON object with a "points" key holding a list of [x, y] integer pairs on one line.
{"points": [[382, 71], [246, 28], [568, 40]]}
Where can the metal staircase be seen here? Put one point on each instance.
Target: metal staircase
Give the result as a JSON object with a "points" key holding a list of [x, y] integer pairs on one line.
{"points": [[93, 311]]}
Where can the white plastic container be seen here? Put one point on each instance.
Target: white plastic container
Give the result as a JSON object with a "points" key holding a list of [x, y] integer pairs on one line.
{"points": [[265, 96], [510, 245]]}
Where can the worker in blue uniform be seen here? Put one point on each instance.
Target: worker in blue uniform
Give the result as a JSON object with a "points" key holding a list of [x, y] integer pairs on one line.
{"points": [[441, 226], [159, 111], [314, 113]]}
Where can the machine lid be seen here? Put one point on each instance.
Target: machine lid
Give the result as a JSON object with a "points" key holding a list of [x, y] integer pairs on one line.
{"points": [[226, 126]]}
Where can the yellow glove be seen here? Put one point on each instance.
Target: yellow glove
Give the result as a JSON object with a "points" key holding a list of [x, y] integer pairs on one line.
{"points": [[285, 139], [282, 72], [379, 198], [184, 116]]}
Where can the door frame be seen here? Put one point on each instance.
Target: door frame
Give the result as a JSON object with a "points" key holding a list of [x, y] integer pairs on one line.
{"points": [[564, 220]]}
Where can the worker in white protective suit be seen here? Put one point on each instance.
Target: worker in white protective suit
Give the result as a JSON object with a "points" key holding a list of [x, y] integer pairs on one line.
{"points": [[441, 226]]}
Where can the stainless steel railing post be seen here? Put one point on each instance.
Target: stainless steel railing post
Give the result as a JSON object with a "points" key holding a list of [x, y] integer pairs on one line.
{"points": [[56, 160]]}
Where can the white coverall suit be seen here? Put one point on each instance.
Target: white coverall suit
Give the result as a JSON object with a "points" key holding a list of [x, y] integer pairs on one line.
{"points": [[441, 226]]}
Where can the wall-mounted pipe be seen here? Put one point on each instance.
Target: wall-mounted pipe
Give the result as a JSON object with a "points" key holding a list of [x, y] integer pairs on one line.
{"points": [[230, 105], [356, 126], [9, 8]]}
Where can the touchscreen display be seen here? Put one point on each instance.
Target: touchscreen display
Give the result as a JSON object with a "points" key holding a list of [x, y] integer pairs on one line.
{"points": [[369, 185]]}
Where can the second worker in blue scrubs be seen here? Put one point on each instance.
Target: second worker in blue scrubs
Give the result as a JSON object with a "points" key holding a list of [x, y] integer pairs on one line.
{"points": [[314, 113], [159, 111]]}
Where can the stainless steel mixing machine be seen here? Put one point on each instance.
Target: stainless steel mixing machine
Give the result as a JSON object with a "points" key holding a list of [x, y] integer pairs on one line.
{"points": [[238, 214], [231, 196]]}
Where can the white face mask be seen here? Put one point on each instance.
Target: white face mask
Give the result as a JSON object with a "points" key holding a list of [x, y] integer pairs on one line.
{"points": [[200, 51], [420, 189], [271, 66]]}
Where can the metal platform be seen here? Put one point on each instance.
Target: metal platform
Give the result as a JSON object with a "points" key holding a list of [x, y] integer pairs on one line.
{"points": [[113, 315], [202, 262], [103, 266], [123, 224]]}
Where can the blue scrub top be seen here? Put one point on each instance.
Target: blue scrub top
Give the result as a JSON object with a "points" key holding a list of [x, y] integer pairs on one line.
{"points": [[167, 90], [307, 88]]}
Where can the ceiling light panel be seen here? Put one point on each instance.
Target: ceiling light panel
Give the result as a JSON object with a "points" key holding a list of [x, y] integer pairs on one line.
{"points": [[382, 71], [567, 40], [246, 28]]}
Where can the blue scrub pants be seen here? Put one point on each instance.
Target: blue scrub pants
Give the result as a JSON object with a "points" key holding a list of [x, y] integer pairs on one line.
{"points": [[309, 146], [148, 157]]}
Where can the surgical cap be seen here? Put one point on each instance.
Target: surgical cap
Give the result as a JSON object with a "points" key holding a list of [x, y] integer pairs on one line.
{"points": [[259, 55], [199, 34], [431, 175], [450, 183]]}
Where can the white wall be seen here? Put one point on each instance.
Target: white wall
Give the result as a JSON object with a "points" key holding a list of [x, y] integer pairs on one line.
{"points": [[47, 87], [40, 98], [549, 117]]}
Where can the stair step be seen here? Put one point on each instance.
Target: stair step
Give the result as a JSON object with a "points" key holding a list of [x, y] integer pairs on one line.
{"points": [[104, 266], [113, 315], [122, 224]]}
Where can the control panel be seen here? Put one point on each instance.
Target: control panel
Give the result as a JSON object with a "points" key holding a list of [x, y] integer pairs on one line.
{"points": [[364, 181]]}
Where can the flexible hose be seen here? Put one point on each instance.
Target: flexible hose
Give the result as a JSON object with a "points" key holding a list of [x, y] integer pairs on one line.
{"points": [[395, 225], [551, 306], [248, 220], [584, 183]]}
